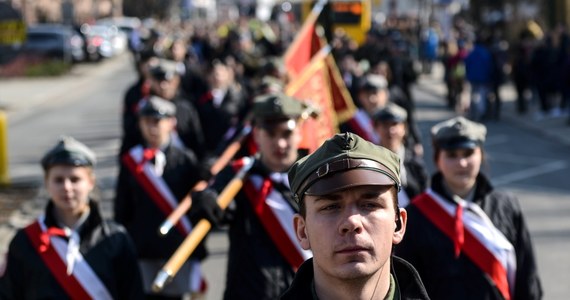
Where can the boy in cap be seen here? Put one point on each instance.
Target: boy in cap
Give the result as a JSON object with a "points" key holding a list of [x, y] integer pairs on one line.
{"points": [[263, 254], [391, 125], [373, 95], [71, 252], [154, 177], [164, 82], [466, 239], [349, 218]]}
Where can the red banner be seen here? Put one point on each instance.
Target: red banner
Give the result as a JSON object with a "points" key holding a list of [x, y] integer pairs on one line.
{"points": [[313, 86]]}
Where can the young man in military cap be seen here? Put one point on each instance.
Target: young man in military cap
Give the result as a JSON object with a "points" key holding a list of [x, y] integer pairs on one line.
{"points": [[391, 125], [154, 177], [349, 218], [467, 239], [373, 95], [263, 254], [71, 252]]}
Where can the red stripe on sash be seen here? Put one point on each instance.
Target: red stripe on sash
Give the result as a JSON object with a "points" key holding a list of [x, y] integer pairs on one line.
{"points": [[357, 128], [473, 248], [152, 191], [271, 223], [55, 264]]}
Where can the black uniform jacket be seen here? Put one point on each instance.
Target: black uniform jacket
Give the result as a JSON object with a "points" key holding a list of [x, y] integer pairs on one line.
{"points": [[256, 268], [105, 246], [416, 174], [216, 121], [136, 210], [408, 282], [446, 277]]}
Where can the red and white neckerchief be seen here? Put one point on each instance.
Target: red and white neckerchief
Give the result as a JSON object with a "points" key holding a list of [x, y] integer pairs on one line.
{"points": [[146, 175], [362, 125], [473, 233], [50, 243], [276, 216]]}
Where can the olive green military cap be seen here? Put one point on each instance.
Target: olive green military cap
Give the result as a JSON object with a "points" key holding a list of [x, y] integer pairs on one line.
{"points": [[157, 107], [458, 133], [70, 152], [343, 161], [391, 113], [373, 82], [273, 108], [271, 85]]}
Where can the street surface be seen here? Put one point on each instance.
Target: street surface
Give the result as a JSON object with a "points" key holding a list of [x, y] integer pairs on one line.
{"points": [[86, 104]]}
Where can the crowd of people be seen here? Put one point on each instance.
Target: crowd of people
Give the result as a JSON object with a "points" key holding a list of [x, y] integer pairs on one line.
{"points": [[537, 63], [331, 224]]}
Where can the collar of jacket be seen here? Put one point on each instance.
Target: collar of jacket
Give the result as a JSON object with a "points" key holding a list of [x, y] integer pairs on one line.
{"points": [[483, 187]]}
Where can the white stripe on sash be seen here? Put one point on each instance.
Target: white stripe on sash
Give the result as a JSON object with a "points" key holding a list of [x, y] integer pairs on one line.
{"points": [[478, 223], [161, 186], [81, 270], [283, 212]]}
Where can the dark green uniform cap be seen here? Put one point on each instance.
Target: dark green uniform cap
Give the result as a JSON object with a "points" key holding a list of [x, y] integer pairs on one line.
{"points": [[391, 113], [70, 152], [373, 83], [276, 107], [164, 69], [458, 133], [157, 107], [343, 161]]}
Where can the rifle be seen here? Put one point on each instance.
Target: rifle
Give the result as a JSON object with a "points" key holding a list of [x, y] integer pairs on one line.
{"points": [[222, 161], [200, 230]]}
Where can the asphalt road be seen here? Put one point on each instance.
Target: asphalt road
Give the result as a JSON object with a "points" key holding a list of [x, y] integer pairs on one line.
{"points": [[86, 104]]}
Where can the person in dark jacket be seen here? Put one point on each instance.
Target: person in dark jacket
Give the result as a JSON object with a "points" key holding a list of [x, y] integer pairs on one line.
{"points": [[466, 239], [71, 252], [349, 218], [263, 254], [223, 105], [134, 94], [164, 82], [391, 125], [154, 177]]}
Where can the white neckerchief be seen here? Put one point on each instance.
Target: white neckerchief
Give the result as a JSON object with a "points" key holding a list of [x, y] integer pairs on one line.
{"points": [[218, 97], [73, 240], [159, 162], [280, 177]]}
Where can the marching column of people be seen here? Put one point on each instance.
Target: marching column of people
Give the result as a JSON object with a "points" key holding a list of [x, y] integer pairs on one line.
{"points": [[344, 205]]}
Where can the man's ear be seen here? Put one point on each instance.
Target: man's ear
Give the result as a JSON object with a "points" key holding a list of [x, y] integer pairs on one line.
{"points": [[399, 232], [301, 232]]}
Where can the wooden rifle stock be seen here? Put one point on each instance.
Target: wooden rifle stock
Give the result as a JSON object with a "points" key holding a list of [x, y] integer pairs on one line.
{"points": [[186, 203], [199, 232]]}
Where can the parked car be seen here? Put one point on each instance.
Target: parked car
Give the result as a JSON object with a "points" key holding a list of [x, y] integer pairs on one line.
{"points": [[54, 41], [127, 25], [98, 39]]}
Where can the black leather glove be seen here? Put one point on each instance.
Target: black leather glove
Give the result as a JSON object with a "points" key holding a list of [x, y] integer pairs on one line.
{"points": [[204, 206], [204, 168]]}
